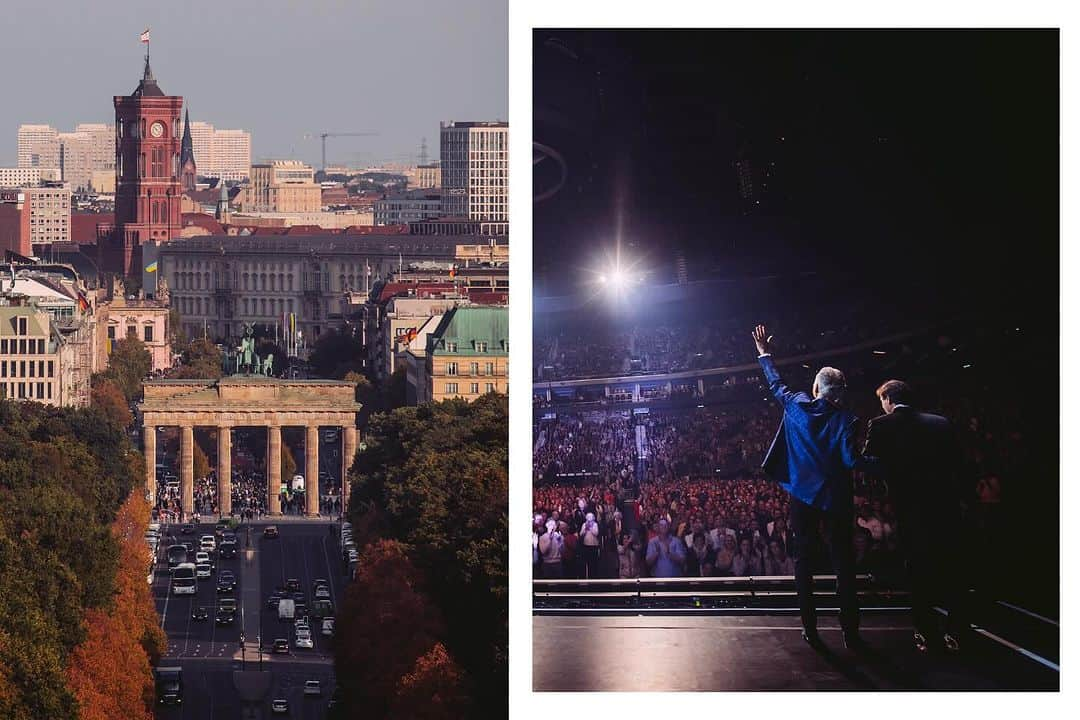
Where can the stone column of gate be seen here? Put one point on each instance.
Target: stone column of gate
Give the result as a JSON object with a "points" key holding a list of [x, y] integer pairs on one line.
{"points": [[187, 482], [348, 452], [273, 470], [311, 454], [149, 434], [224, 471]]}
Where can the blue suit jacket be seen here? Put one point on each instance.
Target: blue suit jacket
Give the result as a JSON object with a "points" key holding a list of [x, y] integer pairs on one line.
{"points": [[813, 453]]}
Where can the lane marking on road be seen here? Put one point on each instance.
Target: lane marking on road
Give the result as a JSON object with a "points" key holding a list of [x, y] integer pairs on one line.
{"points": [[1028, 612]]}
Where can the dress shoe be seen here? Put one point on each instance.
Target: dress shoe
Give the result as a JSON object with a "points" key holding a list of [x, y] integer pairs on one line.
{"points": [[920, 643], [812, 639]]}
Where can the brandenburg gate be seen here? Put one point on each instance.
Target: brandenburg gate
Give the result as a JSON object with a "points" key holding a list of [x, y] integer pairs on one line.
{"points": [[248, 401]]}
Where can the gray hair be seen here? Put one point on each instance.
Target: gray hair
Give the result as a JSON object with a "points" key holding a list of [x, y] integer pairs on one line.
{"points": [[830, 384]]}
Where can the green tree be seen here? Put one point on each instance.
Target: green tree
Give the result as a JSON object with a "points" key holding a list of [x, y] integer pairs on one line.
{"points": [[129, 364], [177, 338], [200, 360], [335, 354], [434, 477]]}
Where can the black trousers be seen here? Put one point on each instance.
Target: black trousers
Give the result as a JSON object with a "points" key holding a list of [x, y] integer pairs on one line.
{"points": [[838, 527], [590, 555], [937, 577]]}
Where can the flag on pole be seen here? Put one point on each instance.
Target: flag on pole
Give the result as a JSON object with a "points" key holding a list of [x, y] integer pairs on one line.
{"points": [[145, 37], [152, 267]]}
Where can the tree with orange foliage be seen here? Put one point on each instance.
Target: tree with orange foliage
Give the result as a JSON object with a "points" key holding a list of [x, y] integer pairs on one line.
{"points": [[111, 671], [384, 625], [108, 396], [433, 690]]}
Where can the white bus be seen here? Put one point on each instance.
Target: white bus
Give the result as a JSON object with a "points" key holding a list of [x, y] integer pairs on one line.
{"points": [[183, 579]]}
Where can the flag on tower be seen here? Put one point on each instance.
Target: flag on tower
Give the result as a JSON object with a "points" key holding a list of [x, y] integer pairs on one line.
{"points": [[145, 37]]}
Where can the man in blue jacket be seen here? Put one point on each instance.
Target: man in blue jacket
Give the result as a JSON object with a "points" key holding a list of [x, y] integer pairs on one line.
{"points": [[812, 457]]}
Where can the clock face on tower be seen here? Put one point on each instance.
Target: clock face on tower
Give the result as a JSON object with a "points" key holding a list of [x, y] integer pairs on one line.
{"points": [[157, 129]]}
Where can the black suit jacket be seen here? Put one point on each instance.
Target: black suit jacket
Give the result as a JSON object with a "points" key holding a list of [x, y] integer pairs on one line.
{"points": [[917, 455]]}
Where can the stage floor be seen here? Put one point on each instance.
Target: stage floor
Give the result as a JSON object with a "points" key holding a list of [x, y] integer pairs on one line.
{"points": [[760, 652]]}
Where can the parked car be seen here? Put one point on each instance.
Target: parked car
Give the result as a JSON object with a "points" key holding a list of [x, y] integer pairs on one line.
{"points": [[281, 645], [312, 687], [280, 706], [270, 531]]}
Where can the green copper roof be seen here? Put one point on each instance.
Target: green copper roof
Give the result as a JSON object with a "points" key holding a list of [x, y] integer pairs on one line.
{"points": [[463, 329]]}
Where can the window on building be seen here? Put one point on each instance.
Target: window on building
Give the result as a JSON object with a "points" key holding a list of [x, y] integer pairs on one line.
{"points": [[474, 368], [3, 347], [21, 326], [481, 346], [51, 374], [32, 373], [451, 368], [41, 391], [474, 389], [148, 333], [3, 368], [489, 387], [489, 368], [111, 332], [48, 389], [41, 368], [451, 388], [41, 346], [451, 347], [22, 347]]}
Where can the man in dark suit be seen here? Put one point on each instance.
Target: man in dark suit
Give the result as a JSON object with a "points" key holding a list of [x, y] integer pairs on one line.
{"points": [[918, 458], [812, 457]]}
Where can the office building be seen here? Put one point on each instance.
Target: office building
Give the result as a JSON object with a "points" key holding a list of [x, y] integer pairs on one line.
{"points": [[428, 176], [475, 179], [222, 154], [20, 177], [409, 206], [50, 213], [38, 146], [282, 186], [15, 221]]}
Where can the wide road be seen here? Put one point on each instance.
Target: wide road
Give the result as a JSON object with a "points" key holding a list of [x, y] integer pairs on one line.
{"points": [[211, 655]]}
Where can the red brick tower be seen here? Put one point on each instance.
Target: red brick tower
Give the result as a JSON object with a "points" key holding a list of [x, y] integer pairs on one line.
{"points": [[147, 172]]}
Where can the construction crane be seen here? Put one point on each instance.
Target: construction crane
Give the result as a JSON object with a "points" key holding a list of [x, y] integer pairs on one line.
{"points": [[325, 135]]}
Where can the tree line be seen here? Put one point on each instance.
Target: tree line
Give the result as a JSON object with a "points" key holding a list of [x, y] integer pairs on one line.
{"points": [[79, 633]]}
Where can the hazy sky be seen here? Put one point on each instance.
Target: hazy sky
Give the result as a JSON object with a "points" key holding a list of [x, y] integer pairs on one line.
{"points": [[277, 68]]}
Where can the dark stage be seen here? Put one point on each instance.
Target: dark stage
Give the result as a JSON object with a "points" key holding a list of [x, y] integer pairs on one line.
{"points": [[583, 651]]}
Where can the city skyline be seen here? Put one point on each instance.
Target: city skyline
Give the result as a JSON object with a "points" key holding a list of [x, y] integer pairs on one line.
{"points": [[382, 69]]}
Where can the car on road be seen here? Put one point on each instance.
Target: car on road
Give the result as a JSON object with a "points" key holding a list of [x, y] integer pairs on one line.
{"points": [[280, 706], [302, 622], [227, 550], [273, 600], [303, 639], [281, 645], [328, 626], [201, 556], [199, 613], [187, 529], [322, 608], [207, 543], [292, 584], [270, 531], [322, 592], [312, 687], [225, 616], [220, 529], [229, 603], [203, 570], [226, 583], [176, 554]]}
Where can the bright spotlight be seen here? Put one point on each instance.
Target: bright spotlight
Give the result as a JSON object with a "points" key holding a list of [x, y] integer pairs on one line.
{"points": [[602, 279], [619, 278]]}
